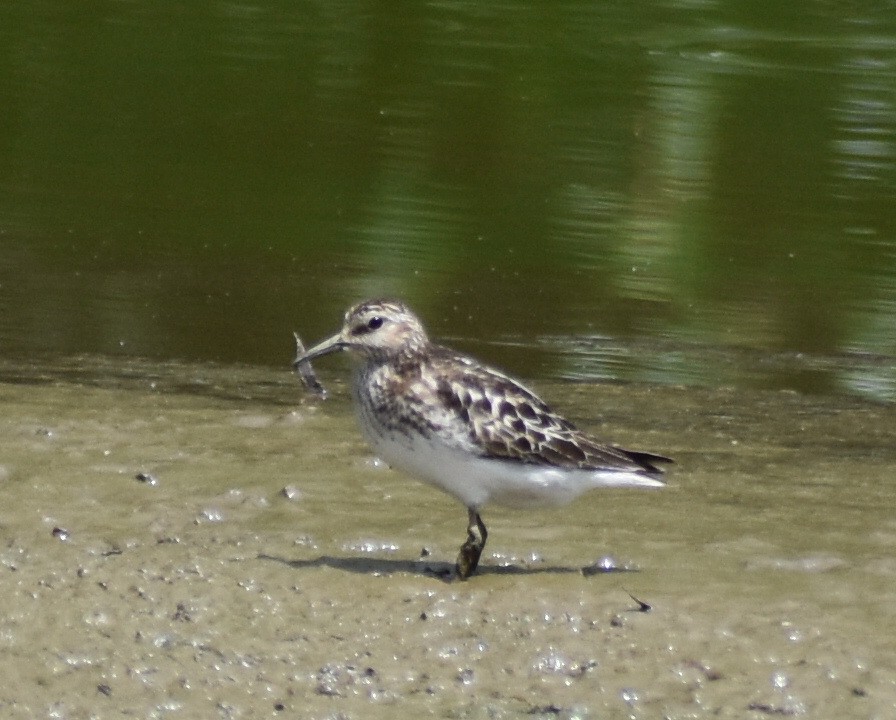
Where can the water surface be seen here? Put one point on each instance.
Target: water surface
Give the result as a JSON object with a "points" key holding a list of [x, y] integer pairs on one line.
{"points": [[194, 182]]}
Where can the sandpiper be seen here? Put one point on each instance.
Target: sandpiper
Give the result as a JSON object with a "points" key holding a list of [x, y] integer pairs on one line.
{"points": [[466, 428]]}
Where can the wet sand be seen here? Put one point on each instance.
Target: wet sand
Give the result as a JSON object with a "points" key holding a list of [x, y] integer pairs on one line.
{"points": [[265, 565]]}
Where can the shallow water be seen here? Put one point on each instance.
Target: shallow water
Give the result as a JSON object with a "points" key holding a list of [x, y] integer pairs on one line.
{"points": [[196, 180], [267, 564]]}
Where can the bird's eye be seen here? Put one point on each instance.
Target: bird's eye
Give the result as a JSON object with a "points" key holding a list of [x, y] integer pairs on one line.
{"points": [[375, 323]]}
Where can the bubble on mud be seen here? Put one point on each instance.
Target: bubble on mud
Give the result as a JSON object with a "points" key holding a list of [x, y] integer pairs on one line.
{"points": [[780, 680], [211, 514], [807, 564], [448, 651], [607, 564], [339, 679], [466, 676], [551, 663], [305, 541], [371, 546]]}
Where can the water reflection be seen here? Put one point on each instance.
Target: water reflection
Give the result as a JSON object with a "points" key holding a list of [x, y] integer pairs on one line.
{"points": [[198, 181], [673, 362]]}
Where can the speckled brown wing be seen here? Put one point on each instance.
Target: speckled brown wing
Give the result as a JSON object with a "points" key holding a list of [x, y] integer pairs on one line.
{"points": [[508, 421]]}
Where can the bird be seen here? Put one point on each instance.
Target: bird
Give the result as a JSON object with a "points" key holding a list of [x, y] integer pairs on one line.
{"points": [[467, 428]]}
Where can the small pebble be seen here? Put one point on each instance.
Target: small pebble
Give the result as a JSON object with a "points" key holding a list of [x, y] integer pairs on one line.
{"points": [[605, 564], [291, 492], [147, 478], [466, 676]]}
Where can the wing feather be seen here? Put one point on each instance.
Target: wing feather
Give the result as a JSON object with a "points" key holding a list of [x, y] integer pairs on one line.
{"points": [[506, 420]]}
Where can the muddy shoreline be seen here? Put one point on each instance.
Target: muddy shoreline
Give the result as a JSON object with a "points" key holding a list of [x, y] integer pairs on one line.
{"points": [[211, 592]]}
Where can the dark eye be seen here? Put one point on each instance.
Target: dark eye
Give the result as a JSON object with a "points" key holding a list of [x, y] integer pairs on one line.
{"points": [[375, 323]]}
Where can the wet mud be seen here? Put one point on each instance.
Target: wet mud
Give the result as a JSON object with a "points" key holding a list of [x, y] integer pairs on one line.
{"points": [[195, 541]]}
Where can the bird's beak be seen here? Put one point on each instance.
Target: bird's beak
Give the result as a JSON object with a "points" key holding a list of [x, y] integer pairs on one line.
{"points": [[325, 347]]}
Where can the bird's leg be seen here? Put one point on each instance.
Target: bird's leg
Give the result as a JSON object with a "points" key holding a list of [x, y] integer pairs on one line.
{"points": [[471, 550]]}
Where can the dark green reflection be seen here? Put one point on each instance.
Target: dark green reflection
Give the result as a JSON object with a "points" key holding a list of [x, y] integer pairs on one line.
{"points": [[197, 180]]}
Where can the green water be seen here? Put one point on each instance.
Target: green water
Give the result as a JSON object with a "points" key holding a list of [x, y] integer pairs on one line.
{"points": [[195, 181], [675, 220]]}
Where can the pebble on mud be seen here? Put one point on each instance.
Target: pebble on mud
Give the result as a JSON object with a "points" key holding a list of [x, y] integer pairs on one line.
{"points": [[605, 564], [147, 478]]}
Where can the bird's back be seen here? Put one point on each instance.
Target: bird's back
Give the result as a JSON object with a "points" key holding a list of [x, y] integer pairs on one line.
{"points": [[450, 398]]}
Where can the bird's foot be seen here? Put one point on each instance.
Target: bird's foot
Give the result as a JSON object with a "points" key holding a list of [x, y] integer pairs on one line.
{"points": [[468, 558], [471, 550]]}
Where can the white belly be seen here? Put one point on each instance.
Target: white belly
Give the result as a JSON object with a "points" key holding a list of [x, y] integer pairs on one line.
{"points": [[477, 481]]}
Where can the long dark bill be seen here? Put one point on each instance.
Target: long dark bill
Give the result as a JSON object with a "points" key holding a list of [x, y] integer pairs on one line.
{"points": [[325, 347]]}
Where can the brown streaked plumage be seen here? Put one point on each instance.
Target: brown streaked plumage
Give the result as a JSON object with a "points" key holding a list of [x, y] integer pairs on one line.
{"points": [[466, 428]]}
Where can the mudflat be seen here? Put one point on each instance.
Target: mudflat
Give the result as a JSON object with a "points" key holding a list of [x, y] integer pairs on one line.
{"points": [[207, 541]]}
